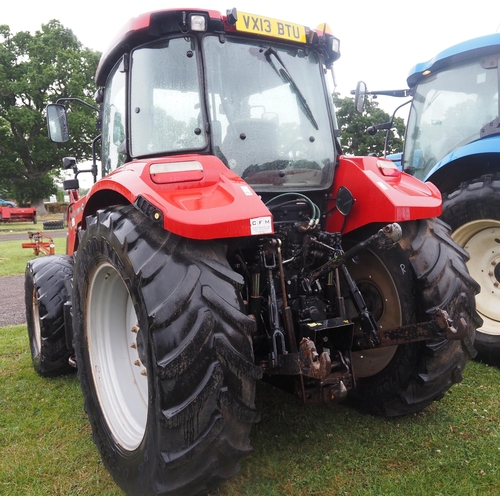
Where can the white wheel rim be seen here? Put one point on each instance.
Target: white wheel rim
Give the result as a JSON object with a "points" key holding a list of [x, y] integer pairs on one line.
{"points": [[37, 331], [481, 238], [119, 376]]}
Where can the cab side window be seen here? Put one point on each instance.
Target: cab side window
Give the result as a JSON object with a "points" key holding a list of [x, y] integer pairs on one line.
{"points": [[114, 125]]}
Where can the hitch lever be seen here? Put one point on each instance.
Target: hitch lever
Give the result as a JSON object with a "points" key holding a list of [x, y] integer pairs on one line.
{"points": [[272, 304], [368, 324]]}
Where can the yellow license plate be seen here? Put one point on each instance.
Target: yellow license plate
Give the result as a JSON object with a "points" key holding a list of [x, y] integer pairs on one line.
{"points": [[250, 23]]}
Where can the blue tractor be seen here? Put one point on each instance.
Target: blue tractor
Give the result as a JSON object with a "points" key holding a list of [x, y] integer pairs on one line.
{"points": [[453, 140]]}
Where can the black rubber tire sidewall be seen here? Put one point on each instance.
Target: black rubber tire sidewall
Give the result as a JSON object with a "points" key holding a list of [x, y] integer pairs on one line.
{"points": [[476, 200], [53, 224], [46, 278]]}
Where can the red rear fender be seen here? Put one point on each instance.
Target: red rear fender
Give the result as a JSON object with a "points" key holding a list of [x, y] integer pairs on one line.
{"points": [[382, 194], [192, 196]]}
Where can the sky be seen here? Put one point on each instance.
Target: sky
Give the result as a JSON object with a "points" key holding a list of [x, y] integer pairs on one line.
{"points": [[380, 41]]}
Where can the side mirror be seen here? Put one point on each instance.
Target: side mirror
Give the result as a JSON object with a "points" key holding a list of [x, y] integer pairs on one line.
{"points": [[57, 123], [359, 97], [69, 162]]}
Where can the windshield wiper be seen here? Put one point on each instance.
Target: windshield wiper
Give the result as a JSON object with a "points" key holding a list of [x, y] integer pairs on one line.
{"points": [[287, 78]]}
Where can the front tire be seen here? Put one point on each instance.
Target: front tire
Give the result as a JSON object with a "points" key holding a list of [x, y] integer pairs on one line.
{"points": [[405, 285], [164, 354], [45, 295], [473, 212]]}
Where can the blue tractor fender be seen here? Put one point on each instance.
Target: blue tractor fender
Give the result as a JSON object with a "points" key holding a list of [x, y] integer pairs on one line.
{"points": [[465, 163]]}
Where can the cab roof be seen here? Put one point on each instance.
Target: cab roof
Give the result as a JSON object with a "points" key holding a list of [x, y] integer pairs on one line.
{"points": [[157, 24], [470, 49], [148, 27]]}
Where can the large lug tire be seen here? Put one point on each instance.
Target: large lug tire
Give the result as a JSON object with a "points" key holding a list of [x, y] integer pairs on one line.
{"points": [[473, 212], [45, 294], [405, 285], [164, 355], [53, 224]]}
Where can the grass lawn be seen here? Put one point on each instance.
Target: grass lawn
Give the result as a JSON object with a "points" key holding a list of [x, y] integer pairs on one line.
{"points": [[452, 448], [13, 257], [45, 437]]}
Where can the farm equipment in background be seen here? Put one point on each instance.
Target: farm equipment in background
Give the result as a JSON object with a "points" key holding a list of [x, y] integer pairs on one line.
{"points": [[229, 240], [17, 214], [41, 243], [453, 140]]}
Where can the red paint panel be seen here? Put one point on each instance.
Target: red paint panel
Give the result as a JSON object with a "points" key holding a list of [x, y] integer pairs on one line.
{"points": [[219, 205], [380, 198]]}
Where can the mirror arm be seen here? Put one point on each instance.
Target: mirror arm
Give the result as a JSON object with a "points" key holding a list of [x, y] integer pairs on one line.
{"points": [[81, 101], [390, 93]]}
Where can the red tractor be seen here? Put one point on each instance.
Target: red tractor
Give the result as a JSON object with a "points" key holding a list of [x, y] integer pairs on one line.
{"points": [[229, 240]]}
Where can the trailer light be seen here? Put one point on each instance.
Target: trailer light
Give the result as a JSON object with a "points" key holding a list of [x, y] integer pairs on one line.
{"points": [[198, 22], [335, 45], [148, 209], [388, 168], [332, 41], [179, 171]]}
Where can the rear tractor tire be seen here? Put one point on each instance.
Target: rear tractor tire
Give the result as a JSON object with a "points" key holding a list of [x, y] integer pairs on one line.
{"points": [[473, 212], [45, 295], [401, 286], [164, 355]]}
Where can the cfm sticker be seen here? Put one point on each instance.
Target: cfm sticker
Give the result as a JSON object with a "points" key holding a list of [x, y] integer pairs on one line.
{"points": [[261, 225]]}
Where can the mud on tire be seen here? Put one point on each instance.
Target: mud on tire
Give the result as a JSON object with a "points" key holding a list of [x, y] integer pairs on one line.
{"points": [[428, 271], [473, 212], [45, 295], [173, 309]]}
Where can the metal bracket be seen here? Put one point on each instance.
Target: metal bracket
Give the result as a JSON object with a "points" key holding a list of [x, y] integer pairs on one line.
{"points": [[490, 128], [441, 327]]}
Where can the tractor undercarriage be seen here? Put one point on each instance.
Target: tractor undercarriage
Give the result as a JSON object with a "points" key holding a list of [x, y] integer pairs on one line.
{"points": [[311, 316]]}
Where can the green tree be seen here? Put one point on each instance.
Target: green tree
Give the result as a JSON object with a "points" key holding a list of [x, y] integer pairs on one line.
{"points": [[355, 139], [34, 71]]}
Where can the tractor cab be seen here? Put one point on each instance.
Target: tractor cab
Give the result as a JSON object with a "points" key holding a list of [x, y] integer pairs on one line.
{"points": [[249, 90]]}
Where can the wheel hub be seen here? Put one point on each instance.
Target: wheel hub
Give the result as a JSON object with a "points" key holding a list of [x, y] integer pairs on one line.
{"points": [[381, 296], [497, 273]]}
